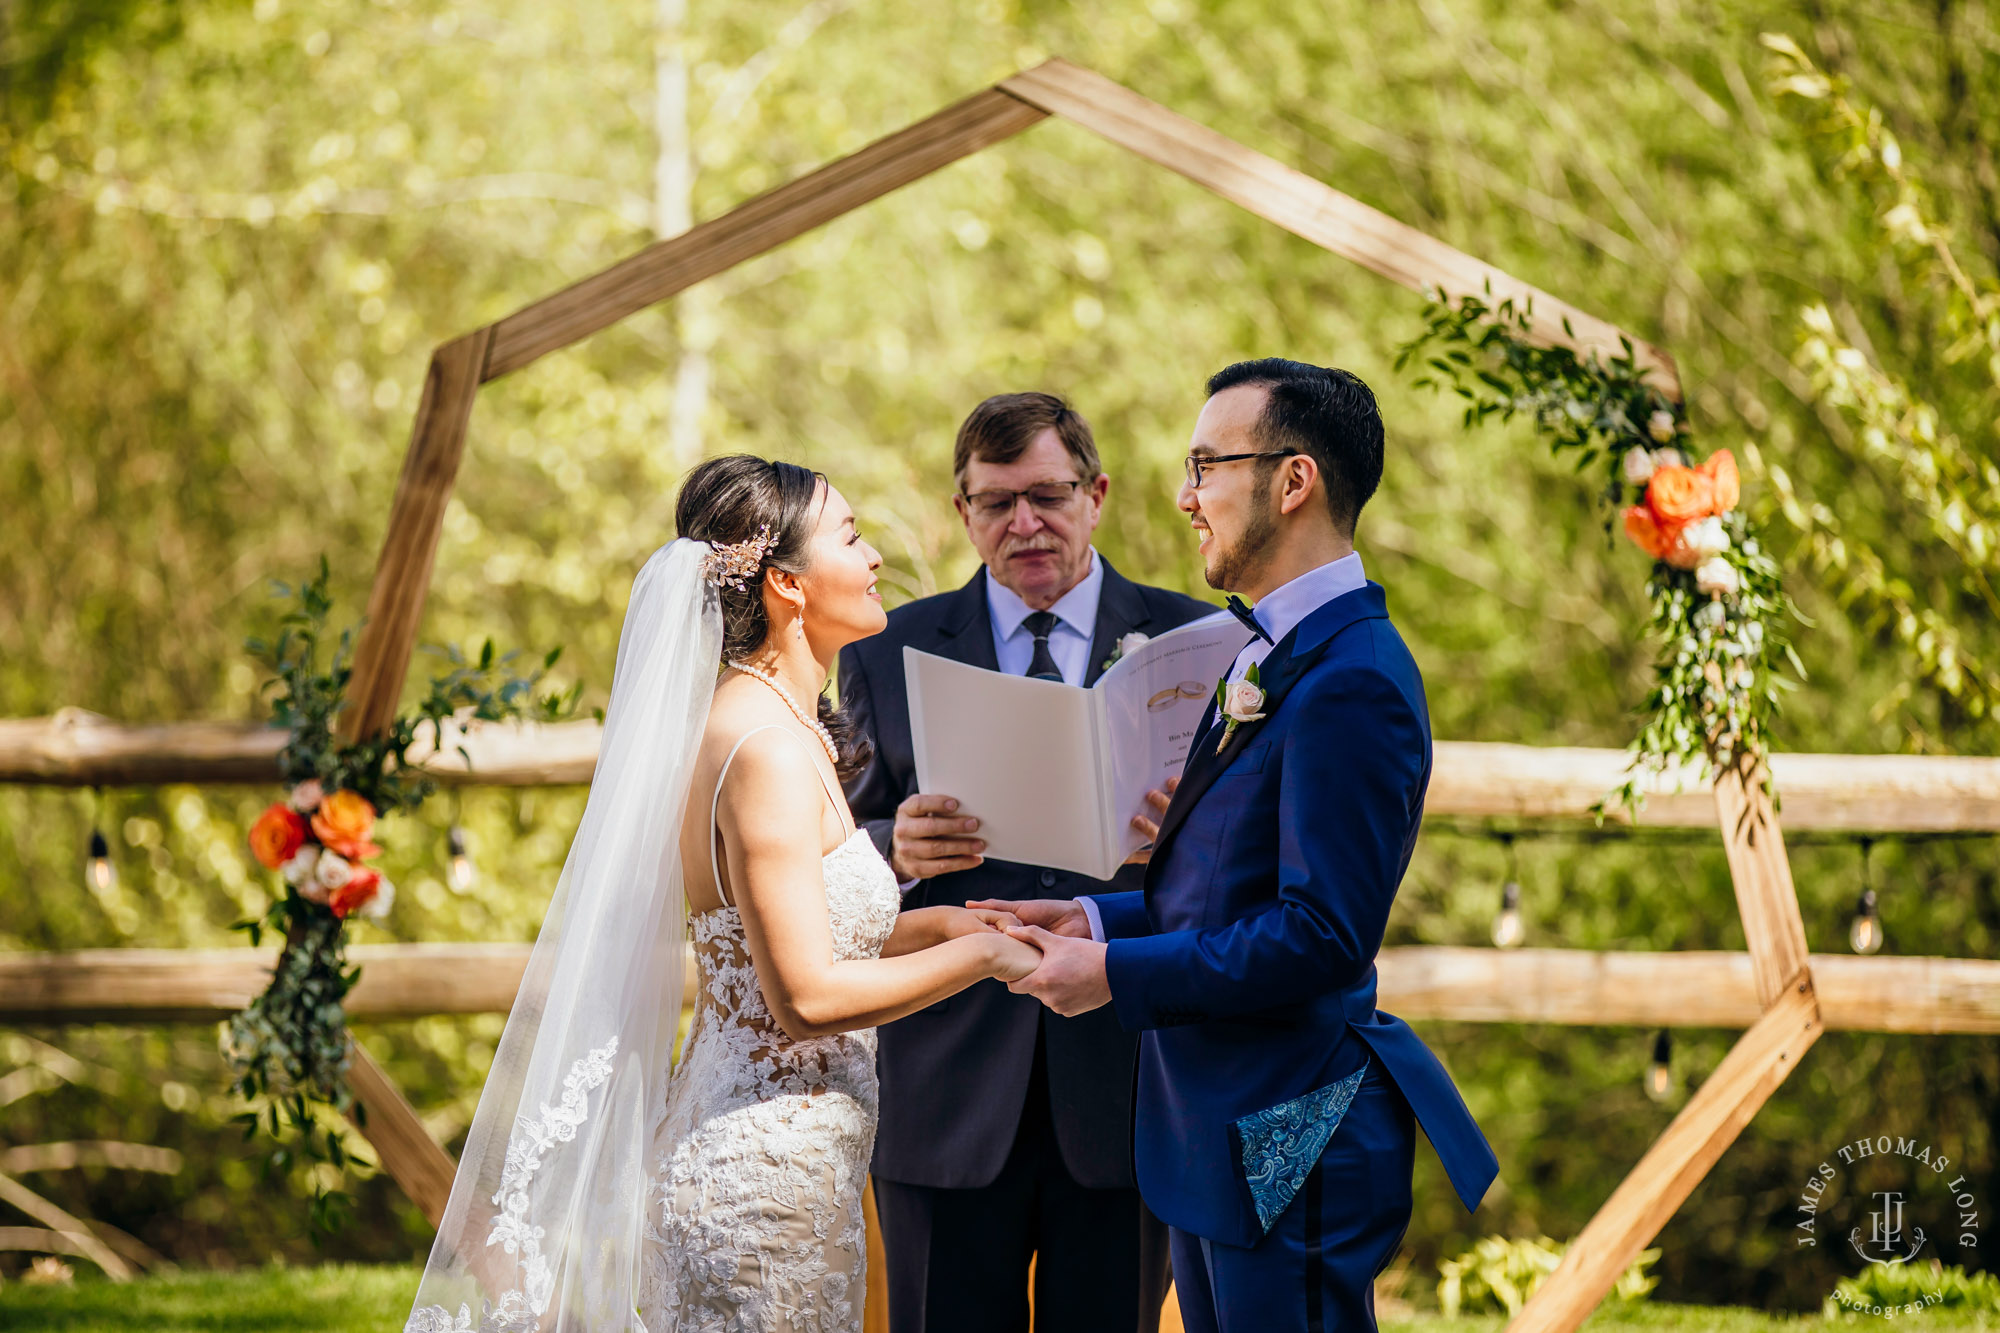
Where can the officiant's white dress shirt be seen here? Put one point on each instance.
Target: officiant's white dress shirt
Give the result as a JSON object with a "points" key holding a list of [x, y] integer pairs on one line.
{"points": [[1279, 613], [1069, 641]]}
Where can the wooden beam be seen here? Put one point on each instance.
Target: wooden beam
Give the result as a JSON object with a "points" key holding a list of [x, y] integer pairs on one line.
{"points": [[1578, 987], [1313, 210], [1583, 987], [406, 1149], [1762, 876], [1675, 1164], [1471, 779], [409, 547], [670, 266]]}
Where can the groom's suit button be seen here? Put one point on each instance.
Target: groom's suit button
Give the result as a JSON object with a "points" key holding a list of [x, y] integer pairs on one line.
{"points": [[1048, 879]]}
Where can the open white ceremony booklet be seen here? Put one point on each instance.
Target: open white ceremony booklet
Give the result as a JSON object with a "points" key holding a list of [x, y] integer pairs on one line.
{"points": [[1055, 772]]}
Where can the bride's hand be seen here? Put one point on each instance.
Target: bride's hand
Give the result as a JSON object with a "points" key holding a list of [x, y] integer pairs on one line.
{"points": [[995, 920], [1011, 958], [951, 922]]}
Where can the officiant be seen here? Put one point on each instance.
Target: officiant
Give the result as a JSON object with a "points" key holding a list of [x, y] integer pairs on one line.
{"points": [[1006, 1131]]}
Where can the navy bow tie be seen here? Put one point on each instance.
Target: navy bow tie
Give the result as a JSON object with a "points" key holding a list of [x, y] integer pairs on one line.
{"points": [[1242, 613]]}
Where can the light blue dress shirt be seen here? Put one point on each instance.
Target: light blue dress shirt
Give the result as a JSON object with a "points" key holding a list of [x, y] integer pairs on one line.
{"points": [[1069, 641]]}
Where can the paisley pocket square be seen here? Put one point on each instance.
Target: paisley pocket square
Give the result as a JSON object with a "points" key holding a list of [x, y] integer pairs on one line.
{"points": [[1279, 1147]]}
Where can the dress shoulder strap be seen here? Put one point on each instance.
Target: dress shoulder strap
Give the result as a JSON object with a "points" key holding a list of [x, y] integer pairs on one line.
{"points": [[715, 800]]}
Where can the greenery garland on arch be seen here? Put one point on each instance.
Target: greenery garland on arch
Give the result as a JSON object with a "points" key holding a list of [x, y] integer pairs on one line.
{"points": [[288, 1051], [1718, 607]]}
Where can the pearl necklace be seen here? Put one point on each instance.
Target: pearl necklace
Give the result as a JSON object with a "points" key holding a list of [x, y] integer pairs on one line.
{"points": [[818, 728]]}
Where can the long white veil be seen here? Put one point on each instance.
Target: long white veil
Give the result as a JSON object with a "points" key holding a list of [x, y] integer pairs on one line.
{"points": [[546, 1222]]}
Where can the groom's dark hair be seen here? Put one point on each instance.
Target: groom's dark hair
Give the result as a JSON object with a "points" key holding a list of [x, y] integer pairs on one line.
{"points": [[1328, 415]]}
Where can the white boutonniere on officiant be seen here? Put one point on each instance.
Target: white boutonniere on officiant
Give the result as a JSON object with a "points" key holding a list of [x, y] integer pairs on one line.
{"points": [[1126, 643], [1237, 703]]}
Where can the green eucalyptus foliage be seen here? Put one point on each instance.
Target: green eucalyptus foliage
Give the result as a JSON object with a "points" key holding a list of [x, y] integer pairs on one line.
{"points": [[288, 1052], [1716, 685]]}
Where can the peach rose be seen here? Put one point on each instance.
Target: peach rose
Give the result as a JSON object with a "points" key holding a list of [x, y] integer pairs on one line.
{"points": [[1678, 495], [343, 822], [1720, 469], [1646, 532], [277, 835], [355, 893]]}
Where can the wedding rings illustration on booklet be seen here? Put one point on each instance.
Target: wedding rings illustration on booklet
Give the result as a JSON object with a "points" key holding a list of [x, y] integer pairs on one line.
{"points": [[1167, 698]]}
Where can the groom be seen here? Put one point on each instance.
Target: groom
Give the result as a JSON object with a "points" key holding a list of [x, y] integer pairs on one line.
{"points": [[1275, 1103]]}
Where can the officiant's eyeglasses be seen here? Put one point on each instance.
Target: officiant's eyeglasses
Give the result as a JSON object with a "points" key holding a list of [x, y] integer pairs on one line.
{"points": [[1196, 462], [1047, 497]]}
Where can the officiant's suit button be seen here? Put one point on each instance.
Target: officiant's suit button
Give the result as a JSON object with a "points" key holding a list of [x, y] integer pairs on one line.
{"points": [[1048, 878]]}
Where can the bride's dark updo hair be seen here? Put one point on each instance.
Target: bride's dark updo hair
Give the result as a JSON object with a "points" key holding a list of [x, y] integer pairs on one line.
{"points": [[734, 499]]}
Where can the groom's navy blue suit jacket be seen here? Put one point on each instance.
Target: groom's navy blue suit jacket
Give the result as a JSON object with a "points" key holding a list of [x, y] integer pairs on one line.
{"points": [[1248, 959]]}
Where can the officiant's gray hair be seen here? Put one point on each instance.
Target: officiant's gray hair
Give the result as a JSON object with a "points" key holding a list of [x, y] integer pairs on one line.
{"points": [[738, 498], [1000, 430]]}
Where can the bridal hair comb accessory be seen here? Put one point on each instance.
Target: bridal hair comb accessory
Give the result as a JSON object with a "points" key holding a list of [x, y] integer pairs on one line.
{"points": [[731, 563]]}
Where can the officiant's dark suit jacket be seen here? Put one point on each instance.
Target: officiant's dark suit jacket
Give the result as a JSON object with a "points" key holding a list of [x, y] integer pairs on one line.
{"points": [[955, 1076]]}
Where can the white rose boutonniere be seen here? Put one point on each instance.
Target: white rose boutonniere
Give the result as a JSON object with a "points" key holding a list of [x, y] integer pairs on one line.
{"points": [[1240, 702], [1126, 643]]}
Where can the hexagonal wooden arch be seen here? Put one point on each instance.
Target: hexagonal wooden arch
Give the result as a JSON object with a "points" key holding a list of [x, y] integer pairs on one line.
{"points": [[1717, 1111]]}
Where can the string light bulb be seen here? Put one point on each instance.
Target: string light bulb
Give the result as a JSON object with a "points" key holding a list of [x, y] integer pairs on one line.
{"points": [[1508, 929], [458, 872], [99, 875], [1660, 1072], [1864, 933]]}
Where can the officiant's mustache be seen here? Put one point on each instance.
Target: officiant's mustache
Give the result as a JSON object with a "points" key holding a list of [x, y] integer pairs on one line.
{"points": [[1030, 545]]}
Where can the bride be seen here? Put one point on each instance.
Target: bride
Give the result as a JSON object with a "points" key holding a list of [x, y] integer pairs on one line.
{"points": [[597, 1191]]}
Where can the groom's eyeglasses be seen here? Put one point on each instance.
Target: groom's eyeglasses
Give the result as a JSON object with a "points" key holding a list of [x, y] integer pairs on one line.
{"points": [[1048, 497], [1196, 462]]}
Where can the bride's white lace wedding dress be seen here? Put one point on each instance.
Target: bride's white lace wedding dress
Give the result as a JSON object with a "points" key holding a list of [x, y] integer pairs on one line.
{"points": [[755, 1223]]}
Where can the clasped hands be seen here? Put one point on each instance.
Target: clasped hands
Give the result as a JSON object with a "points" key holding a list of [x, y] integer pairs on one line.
{"points": [[932, 837]]}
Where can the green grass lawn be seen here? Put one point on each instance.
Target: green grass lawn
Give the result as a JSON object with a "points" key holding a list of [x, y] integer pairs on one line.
{"points": [[354, 1299]]}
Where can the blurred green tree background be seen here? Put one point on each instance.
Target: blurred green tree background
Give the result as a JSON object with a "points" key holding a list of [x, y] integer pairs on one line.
{"points": [[230, 231]]}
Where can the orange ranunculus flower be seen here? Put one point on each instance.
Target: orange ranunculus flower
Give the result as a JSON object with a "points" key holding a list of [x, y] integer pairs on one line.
{"points": [[343, 822], [1646, 532], [1679, 495], [277, 835], [1720, 469], [355, 893]]}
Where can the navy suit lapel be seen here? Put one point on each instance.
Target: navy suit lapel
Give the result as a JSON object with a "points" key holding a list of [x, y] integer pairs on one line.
{"points": [[1283, 667], [965, 630]]}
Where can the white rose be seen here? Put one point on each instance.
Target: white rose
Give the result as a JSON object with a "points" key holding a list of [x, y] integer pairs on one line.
{"points": [[1669, 458], [1242, 701], [1638, 467], [1707, 537], [334, 870], [1661, 427], [299, 870], [378, 907], [1131, 642], [307, 796], [1716, 577]]}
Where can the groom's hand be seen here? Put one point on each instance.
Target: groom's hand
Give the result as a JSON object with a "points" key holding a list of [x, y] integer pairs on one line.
{"points": [[931, 838], [1071, 979], [1058, 916]]}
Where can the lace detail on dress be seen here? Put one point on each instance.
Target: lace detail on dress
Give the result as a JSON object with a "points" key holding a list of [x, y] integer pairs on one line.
{"points": [[521, 1308], [765, 1144]]}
